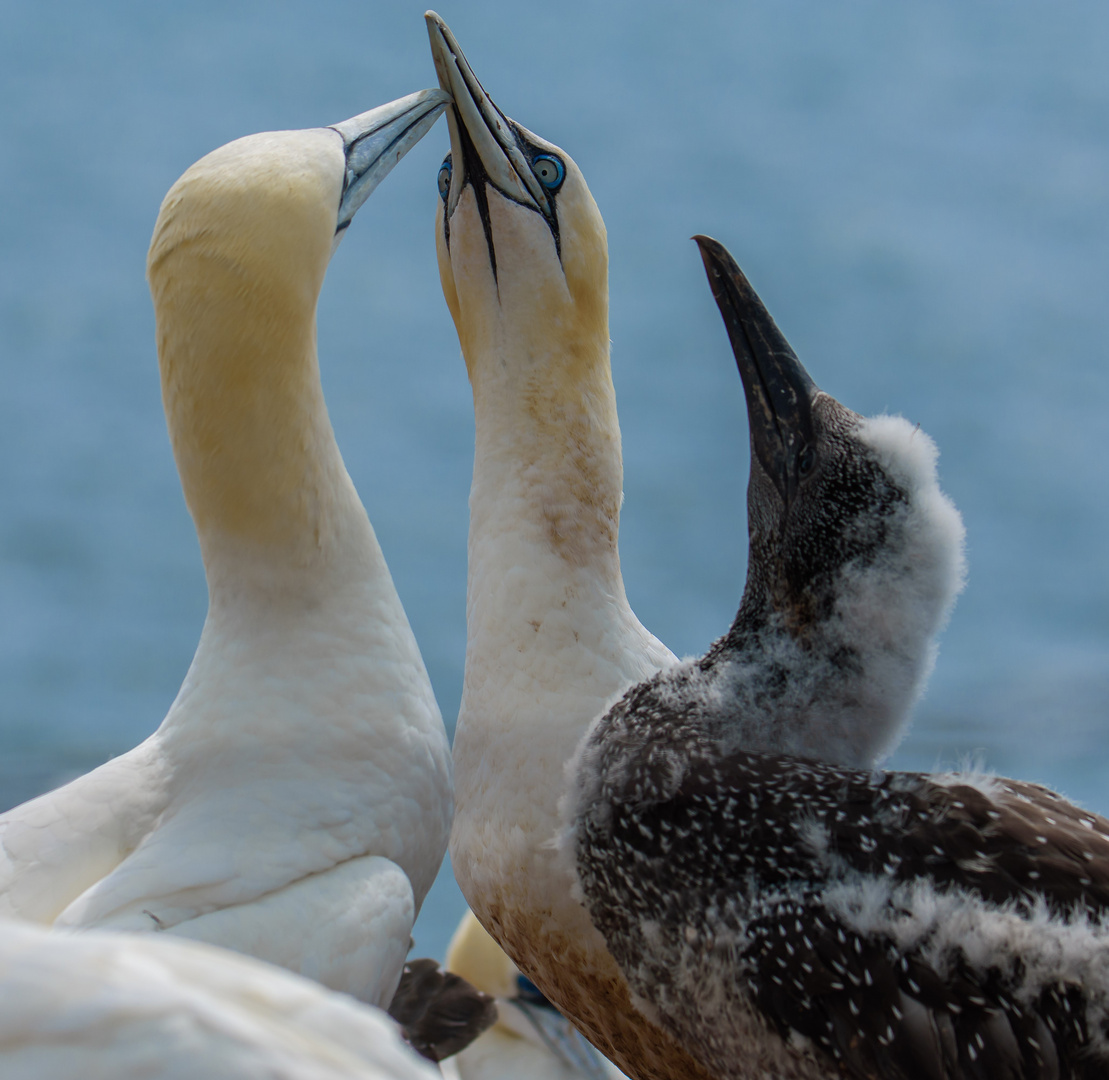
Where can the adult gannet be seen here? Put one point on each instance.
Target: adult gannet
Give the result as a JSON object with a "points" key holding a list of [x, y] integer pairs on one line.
{"points": [[531, 1038], [781, 909], [551, 638], [107, 1006], [295, 802]]}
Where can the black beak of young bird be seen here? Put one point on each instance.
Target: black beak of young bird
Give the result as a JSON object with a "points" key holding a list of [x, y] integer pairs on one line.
{"points": [[778, 389]]}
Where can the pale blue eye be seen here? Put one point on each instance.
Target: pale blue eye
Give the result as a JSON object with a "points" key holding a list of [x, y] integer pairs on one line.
{"points": [[445, 178], [549, 171]]}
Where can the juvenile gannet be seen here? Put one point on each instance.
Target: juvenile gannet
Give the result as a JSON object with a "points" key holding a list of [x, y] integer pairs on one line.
{"points": [[295, 802], [780, 908], [105, 1006], [550, 636], [531, 1038]]}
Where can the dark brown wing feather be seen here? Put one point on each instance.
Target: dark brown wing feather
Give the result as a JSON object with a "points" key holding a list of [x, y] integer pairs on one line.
{"points": [[439, 1012], [739, 831]]}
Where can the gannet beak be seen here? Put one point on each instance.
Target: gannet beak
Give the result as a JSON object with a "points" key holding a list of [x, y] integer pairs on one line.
{"points": [[375, 141], [779, 390], [542, 1023], [484, 146]]}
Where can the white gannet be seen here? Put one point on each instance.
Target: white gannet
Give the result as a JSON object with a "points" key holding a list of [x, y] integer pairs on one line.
{"points": [[295, 802], [551, 639], [781, 907], [531, 1038], [106, 1006]]}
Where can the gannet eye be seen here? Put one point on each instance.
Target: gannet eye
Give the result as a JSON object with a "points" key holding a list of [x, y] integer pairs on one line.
{"points": [[805, 461], [549, 171], [445, 178]]}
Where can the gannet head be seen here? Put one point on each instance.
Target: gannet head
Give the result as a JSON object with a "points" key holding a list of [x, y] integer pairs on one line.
{"points": [[235, 268], [856, 555], [523, 254]]}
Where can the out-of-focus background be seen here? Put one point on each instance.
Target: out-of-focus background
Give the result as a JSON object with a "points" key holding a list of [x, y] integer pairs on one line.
{"points": [[919, 192]]}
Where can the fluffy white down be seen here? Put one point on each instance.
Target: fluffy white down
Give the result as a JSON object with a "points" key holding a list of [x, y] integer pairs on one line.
{"points": [[951, 927], [107, 1006], [887, 613]]}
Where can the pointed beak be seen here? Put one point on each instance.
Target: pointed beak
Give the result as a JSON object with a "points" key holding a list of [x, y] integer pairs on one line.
{"points": [[778, 389], [483, 144], [543, 1024], [375, 141]]}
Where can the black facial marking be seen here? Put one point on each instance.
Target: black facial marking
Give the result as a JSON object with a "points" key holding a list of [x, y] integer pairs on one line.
{"points": [[530, 151], [478, 179]]}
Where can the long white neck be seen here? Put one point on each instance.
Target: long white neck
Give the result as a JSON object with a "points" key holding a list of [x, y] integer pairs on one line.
{"points": [[295, 573], [550, 635], [297, 583], [547, 480]]}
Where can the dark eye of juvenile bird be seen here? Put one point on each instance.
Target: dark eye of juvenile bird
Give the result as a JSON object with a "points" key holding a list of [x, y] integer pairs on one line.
{"points": [[805, 461], [445, 178], [549, 171]]}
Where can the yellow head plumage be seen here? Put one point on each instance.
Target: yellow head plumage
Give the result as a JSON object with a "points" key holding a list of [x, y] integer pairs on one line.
{"points": [[550, 303], [236, 263], [523, 261]]}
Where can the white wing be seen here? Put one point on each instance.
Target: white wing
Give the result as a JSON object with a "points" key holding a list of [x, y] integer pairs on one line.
{"points": [[55, 847], [350, 926], [108, 1006]]}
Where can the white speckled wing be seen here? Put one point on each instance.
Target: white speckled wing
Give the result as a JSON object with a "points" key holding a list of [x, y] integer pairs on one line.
{"points": [[757, 902]]}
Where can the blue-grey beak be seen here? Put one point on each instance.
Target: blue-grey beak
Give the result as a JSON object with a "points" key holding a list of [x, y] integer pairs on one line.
{"points": [[375, 141]]}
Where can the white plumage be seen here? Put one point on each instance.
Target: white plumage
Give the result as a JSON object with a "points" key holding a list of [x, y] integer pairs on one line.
{"points": [[295, 802], [105, 1006]]}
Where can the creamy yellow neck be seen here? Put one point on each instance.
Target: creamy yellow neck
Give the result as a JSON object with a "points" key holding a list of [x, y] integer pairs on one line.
{"points": [[247, 420], [236, 265], [535, 341], [548, 452]]}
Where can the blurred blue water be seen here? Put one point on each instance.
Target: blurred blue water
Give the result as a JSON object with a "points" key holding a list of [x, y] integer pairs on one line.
{"points": [[919, 192]]}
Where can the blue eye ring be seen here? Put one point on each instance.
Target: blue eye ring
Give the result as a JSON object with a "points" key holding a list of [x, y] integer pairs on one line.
{"points": [[444, 179], [549, 171]]}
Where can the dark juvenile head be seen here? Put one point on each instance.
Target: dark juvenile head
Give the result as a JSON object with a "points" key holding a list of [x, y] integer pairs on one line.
{"points": [[830, 492], [856, 556]]}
